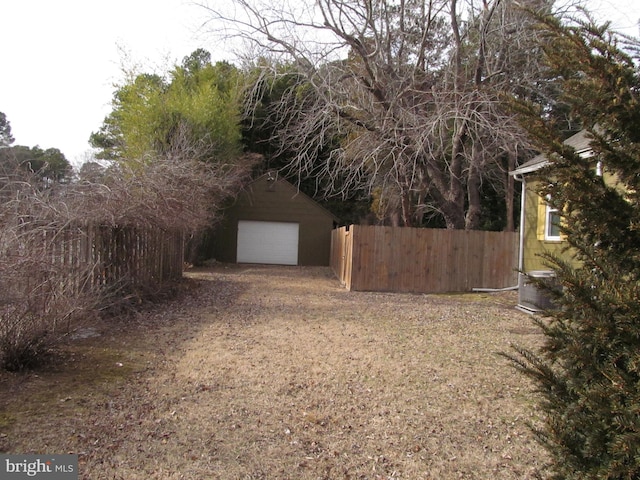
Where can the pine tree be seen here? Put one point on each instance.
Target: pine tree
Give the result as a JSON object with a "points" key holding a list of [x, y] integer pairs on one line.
{"points": [[6, 138], [587, 372]]}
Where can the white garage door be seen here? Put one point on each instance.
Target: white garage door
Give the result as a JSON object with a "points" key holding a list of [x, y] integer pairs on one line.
{"points": [[267, 242]]}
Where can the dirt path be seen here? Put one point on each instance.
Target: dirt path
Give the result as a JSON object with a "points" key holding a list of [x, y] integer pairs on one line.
{"points": [[278, 373]]}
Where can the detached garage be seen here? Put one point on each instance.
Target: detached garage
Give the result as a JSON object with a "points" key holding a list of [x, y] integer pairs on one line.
{"points": [[272, 222], [268, 242]]}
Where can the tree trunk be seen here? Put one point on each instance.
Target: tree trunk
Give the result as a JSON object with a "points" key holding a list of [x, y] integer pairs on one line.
{"points": [[472, 220], [453, 213], [407, 210]]}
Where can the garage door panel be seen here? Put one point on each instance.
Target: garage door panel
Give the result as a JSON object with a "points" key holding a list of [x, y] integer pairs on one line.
{"points": [[268, 242]]}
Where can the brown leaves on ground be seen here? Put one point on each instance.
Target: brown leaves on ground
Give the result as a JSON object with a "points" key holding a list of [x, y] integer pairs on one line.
{"points": [[278, 373]]}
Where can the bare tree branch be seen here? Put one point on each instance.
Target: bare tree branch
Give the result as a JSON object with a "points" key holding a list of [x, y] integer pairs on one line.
{"points": [[412, 105]]}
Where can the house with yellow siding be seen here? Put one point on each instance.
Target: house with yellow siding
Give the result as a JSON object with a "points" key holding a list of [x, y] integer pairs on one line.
{"points": [[540, 226]]}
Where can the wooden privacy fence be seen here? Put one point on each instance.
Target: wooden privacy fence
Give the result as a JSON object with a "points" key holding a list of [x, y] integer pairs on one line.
{"points": [[420, 260], [92, 256]]}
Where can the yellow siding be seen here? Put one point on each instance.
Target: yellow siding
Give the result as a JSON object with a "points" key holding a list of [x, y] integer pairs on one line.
{"points": [[540, 220], [534, 242]]}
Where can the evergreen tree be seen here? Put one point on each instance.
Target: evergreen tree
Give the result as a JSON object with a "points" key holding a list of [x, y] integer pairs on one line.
{"points": [[198, 105], [6, 138], [49, 165], [588, 370]]}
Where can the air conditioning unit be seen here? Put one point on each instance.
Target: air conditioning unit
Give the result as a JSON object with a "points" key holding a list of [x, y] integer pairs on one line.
{"points": [[531, 298]]}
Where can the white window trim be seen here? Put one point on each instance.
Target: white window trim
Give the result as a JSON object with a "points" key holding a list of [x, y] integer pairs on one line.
{"points": [[549, 211]]}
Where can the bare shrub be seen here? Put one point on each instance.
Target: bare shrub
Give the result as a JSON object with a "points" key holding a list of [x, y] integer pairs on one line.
{"points": [[50, 278], [41, 295], [37, 317], [172, 191]]}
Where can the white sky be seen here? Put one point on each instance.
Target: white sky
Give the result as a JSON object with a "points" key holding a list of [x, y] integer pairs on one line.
{"points": [[61, 58]]}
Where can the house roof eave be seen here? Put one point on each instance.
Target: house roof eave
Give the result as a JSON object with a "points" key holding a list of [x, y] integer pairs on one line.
{"points": [[529, 168], [580, 142]]}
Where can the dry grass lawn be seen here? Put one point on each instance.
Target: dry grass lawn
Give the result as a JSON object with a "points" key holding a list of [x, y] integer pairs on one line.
{"points": [[278, 373]]}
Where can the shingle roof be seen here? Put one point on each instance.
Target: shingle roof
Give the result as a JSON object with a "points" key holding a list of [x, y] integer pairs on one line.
{"points": [[580, 142]]}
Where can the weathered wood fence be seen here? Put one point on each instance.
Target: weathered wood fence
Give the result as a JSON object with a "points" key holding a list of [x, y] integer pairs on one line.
{"points": [[92, 256], [398, 259]]}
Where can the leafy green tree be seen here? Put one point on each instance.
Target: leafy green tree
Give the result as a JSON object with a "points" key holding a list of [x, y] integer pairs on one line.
{"points": [[6, 138], [206, 98], [588, 370], [135, 122], [151, 114], [49, 164]]}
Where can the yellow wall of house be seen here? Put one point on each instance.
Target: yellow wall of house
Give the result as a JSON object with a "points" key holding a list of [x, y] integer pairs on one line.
{"points": [[534, 243]]}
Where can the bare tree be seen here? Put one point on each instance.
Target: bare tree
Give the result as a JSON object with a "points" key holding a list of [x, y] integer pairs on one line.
{"points": [[409, 90]]}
